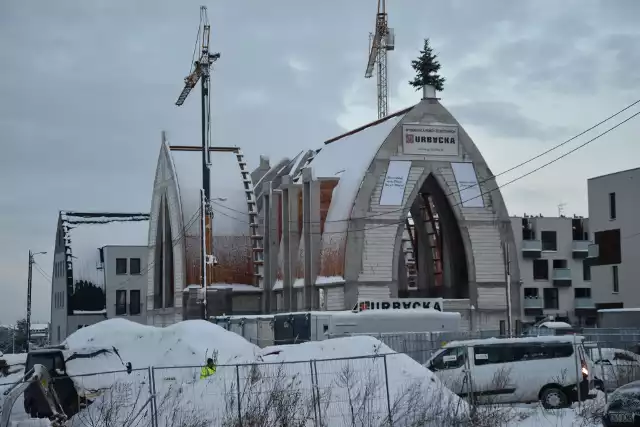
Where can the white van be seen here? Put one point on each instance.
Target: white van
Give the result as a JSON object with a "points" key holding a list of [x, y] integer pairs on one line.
{"points": [[515, 370]]}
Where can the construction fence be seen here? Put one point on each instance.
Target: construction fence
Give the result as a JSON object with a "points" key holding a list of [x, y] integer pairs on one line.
{"points": [[380, 388], [372, 390]]}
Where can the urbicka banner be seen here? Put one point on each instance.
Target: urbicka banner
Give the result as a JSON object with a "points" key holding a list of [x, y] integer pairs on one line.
{"points": [[398, 304], [430, 140]]}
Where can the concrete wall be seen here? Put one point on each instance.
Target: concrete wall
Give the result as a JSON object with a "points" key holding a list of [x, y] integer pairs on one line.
{"points": [[125, 282], [80, 321], [626, 186], [59, 303], [564, 238]]}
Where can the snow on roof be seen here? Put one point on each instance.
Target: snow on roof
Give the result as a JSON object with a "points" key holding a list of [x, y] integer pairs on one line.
{"points": [[229, 200], [555, 325], [39, 326], [87, 232], [235, 287], [348, 158], [493, 341], [617, 310]]}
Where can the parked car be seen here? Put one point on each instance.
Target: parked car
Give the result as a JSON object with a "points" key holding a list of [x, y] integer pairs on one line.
{"points": [[619, 367], [516, 370], [623, 408]]}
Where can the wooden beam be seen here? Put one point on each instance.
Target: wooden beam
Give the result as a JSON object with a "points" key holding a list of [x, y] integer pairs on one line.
{"points": [[199, 148], [368, 125]]}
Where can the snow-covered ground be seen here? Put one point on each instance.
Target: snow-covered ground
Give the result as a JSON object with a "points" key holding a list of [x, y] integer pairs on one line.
{"points": [[331, 382]]}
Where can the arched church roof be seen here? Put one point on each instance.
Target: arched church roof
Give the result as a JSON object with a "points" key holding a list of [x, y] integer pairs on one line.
{"points": [[228, 194], [348, 157]]}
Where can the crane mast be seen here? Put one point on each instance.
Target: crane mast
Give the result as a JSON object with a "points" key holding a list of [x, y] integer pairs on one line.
{"points": [[380, 41], [201, 71]]}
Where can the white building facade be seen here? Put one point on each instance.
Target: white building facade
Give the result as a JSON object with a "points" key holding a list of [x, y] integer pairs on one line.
{"points": [[555, 272], [614, 209], [82, 278], [125, 270]]}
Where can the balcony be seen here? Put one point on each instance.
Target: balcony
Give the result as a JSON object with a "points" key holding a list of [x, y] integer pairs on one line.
{"points": [[561, 277], [531, 248], [532, 303], [593, 251], [580, 249], [584, 303]]}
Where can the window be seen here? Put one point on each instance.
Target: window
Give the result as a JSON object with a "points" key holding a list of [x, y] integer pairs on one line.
{"points": [[560, 263], [612, 205], [58, 333], [579, 230], [549, 241], [450, 358], [609, 250], [528, 233], [614, 274], [121, 266], [540, 269], [582, 292], [134, 302], [550, 298], [134, 266], [586, 271], [491, 354], [121, 302], [531, 293]]}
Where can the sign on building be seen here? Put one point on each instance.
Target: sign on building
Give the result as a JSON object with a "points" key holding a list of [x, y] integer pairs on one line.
{"points": [[395, 181], [468, 187], [430, 140], [397, 304]]}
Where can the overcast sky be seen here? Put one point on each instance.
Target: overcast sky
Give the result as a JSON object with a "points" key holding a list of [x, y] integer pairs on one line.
{"points": [[87, 86]]}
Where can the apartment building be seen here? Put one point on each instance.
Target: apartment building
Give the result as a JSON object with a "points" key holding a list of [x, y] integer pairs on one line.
{"points": [[614, 209], [125, 273], [555, 272]]}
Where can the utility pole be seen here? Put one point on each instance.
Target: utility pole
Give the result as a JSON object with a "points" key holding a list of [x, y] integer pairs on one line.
{"points": [[29, 288], [507, 270], [203, 216]]}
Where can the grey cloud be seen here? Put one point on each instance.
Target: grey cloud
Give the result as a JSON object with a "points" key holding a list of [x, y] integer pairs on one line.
{"points": [[503, 119], [623, 50]]}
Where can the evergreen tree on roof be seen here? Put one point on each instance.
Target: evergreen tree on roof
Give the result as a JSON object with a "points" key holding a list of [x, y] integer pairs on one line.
{"points": [[427, 67]]}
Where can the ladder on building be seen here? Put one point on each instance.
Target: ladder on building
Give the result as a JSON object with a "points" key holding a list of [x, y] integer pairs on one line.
{"points": [[257, 240], [434, 236], [409, 251]]}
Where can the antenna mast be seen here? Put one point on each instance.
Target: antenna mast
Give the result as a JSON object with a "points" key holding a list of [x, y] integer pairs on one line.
{"points": [[380, 42]]}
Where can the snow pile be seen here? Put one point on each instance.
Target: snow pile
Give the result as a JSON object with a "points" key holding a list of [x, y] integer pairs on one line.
{"points": [[345, 374], [291, 381], [183, 344]]}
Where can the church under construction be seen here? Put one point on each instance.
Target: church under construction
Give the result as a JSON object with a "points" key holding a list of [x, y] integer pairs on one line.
{"points": [[403, 207]]}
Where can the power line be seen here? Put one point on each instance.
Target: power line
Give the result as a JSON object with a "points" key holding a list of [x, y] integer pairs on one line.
{"points": [[41, 271], [175, 242], [480, 182]]}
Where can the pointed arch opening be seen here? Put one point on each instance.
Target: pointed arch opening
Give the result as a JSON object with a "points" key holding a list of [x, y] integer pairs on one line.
{"points": [[164, 277], [434, 261]]}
